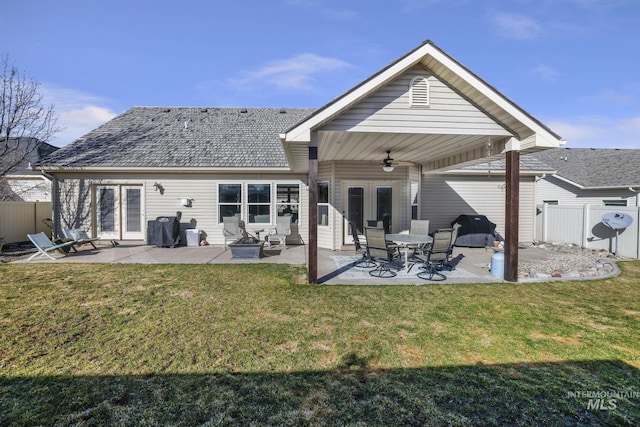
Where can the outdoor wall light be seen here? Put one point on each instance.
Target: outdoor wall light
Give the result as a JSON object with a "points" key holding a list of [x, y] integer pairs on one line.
{"points": [[158, 187]]}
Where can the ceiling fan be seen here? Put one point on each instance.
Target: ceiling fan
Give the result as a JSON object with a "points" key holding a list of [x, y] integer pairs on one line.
{"points": [[387, 164]]}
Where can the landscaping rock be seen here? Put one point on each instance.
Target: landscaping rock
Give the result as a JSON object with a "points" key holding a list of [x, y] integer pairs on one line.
{"points": [[568, 261]]}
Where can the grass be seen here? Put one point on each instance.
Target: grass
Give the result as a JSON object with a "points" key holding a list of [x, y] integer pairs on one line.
{"points": [[244, 344]]}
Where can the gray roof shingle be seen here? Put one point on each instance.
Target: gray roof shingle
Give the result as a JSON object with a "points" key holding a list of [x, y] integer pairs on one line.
{"points": [[184, 137], [17, 152], [594, 167]]}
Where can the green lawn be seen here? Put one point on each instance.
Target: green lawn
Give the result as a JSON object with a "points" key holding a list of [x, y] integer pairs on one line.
{"points": [[245, 344]]}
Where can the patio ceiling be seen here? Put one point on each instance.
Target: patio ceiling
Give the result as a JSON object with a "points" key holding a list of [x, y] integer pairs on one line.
{"points": [[417, 149]]}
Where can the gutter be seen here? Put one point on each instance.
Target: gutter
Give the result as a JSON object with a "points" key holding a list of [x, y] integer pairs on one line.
{"points": [[183, 170], [598, 187]]}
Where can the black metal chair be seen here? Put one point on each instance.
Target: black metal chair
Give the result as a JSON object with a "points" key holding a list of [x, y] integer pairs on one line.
{"points": [[436, 256], [365, 261], [378, 250]]}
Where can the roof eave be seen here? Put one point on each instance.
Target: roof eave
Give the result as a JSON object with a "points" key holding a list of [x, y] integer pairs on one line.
{"points": [[182, 169], [532, 172]]}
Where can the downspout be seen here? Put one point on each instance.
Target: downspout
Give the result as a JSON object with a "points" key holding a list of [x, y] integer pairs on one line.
{"points": [[638, 211], [543, 232], [54, 200]]}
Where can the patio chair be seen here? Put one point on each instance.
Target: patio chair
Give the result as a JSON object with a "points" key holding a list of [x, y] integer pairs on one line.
{"points": [[421, 227], [365, 261], [80, 238], [231, 230], [44, 245], [378, 250], [433, 261], [280, 232]]}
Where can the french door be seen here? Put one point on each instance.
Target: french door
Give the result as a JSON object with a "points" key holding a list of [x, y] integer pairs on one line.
{"points": [[365, 202], [119, 213]]}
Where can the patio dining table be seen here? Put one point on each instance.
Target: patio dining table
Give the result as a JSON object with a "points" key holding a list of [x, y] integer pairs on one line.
{"points": [[405, 240]]}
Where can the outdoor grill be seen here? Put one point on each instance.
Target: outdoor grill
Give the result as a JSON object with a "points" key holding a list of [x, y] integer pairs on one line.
{"points": [[475, 231], [164, 231]]}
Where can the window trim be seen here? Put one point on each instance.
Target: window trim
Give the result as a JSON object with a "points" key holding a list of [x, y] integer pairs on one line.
{"points": [[250, 204], [296, 204], [324, 205], [244, 199], [219, 203]]}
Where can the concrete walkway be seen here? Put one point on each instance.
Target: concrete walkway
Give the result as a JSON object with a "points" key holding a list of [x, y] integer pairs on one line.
{"points": [[334, 267]]}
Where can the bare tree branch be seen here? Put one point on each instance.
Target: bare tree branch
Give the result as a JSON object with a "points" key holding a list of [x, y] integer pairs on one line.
{"points": [[24, 119]]}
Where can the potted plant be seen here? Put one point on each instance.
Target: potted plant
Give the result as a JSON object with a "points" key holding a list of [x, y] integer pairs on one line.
{"points": [[247, 247]]}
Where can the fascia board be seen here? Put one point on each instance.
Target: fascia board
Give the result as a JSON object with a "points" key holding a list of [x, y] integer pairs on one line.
{"points": [[183, 170]]}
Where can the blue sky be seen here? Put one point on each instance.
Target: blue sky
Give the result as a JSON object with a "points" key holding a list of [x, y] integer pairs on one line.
{"points": [[573, 64]]}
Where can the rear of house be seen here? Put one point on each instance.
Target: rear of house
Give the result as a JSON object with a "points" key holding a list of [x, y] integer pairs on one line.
{"points": [[423, 138]]}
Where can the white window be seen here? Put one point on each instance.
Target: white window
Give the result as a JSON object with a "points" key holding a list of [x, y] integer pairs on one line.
{"points": [[255, 202], [419, 92], [323, 203], [288, 201], [229, 201], [414, 200], [259, 203]]}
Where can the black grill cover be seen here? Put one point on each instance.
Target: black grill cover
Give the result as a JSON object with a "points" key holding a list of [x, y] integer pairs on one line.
{"points": [[475, 231], [163, 231]]}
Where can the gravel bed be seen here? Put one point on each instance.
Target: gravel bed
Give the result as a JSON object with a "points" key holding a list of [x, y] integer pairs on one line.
{"points": [[566, 260]]}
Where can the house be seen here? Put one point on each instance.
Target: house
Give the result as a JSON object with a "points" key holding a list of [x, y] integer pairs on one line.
{"points": [[394, 147], [595, 176], [19, 182]]}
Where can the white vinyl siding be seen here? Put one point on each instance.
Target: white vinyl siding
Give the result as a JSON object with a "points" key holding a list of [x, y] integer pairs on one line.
{"points": [[552, 188], [444, 197], [388, 110], [201, 188], [358, 172]]}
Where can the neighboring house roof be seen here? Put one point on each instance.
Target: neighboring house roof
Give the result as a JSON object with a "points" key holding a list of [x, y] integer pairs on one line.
{"points": [[179, 137], [18, 148], [594, 168]]}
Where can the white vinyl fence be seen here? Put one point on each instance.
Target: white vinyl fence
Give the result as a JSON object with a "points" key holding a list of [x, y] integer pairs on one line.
{"points": [[582, 225], [17, 219]]}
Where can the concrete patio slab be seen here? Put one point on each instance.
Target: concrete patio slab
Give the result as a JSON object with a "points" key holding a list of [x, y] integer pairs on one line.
{"points": [[334, 267]]}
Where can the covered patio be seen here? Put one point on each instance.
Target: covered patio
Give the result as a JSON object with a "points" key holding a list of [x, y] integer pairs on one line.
{"points": [[431, 114]]}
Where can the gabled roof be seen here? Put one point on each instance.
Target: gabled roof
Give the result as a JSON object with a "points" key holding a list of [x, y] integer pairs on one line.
{"points": [[26, 151], [533, 134], [183, 137], [594, 168]]}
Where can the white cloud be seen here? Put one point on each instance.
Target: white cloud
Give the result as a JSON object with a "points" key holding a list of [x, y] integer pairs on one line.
{"points": [[516, 26], [296, 73], [78, 112], [598, 132], [545, 73]]}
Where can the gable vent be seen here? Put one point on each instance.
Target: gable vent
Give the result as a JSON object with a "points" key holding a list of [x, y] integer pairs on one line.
{"points": [[419, 92]]}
